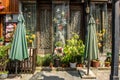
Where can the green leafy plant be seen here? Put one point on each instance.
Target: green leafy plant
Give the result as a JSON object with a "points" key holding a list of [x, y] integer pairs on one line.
{"points": [[30, 38], [3, 50], [4, 56], [3, 72], [73, 48], [108, 58], [58, 44], [44, 60], [1, 39], [40, 60]]}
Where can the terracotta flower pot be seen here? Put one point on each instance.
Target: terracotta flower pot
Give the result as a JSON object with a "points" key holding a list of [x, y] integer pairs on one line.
{"points": [[51, 65], [1, 43], [107, 64], [95, 63], [63, 65], [80, 65]]}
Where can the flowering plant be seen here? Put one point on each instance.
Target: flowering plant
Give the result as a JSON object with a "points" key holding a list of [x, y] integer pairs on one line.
{"points": [[58, 50], [30, 38], [100, 38]]}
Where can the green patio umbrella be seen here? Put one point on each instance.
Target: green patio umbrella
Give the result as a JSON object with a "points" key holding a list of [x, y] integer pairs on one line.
{"points": [[91, 47], [19, 50]]}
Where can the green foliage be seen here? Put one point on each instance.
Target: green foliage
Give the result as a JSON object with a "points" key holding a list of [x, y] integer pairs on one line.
{"points": [[73, 48], [80, 59], [4, 54], [3, 50], [40, 60], [44, 60], [1, 39], [58, 44], [3, 72], [108, 58], [109, 54], [65, 59]]}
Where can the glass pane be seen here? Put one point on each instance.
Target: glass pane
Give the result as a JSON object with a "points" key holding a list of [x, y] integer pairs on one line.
{"points": [[108, 44], [45, 29], [29, 12], [99, 12], [75, 19], [60, 21]]}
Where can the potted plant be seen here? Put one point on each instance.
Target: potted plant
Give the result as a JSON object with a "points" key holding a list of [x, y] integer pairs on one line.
{"points": [[3, 74], [65, 61], [1, 41], [73, 48], [80, 60], [107, 64], [95, 63], [50, 60], [108, 59], [4, 60], [58, 53]]}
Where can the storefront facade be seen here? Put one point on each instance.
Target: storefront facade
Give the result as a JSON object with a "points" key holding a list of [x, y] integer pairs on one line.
{"points": [[43, 18]]}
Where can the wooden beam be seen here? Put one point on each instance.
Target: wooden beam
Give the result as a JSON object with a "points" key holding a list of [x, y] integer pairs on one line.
{"points": [[115, 40], [99, 0]]}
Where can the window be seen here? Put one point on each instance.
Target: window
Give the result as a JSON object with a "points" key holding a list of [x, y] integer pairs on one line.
{"points": [[103, 25], [29, 12], [60, 12]]}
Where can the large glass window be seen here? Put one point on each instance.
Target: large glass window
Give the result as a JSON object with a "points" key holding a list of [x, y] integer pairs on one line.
{"points": [[56, 22], [75, 23], [29, 12], [103, 26], [60, 12]]}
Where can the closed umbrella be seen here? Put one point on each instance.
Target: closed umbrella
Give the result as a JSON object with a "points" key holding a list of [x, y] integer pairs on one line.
{"points": [[19, 49], [91, 48]]}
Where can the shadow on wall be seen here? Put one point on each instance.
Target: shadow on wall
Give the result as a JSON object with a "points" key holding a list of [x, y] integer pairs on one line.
{"points": [[42, 76]]}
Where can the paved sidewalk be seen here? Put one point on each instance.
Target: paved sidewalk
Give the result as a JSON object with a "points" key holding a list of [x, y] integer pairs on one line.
{"points": [[62, 75], [56, 75]]}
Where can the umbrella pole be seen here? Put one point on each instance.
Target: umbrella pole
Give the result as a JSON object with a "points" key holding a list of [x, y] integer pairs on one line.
{"points": [[16, 67], [88, 64]]}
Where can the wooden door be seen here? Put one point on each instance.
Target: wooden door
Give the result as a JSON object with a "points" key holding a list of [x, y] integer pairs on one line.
{"points": [[44, 28]]}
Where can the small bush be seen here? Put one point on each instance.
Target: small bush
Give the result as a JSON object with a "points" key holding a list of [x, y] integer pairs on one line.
{"points": [[40, 60], [44, 60]]}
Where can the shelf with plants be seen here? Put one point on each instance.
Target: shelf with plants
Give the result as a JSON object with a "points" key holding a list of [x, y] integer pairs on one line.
{"points": [[10, 22]]}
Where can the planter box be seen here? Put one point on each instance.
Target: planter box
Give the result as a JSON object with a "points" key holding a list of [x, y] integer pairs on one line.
{"points": [[3, 76], [73, 65]]}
